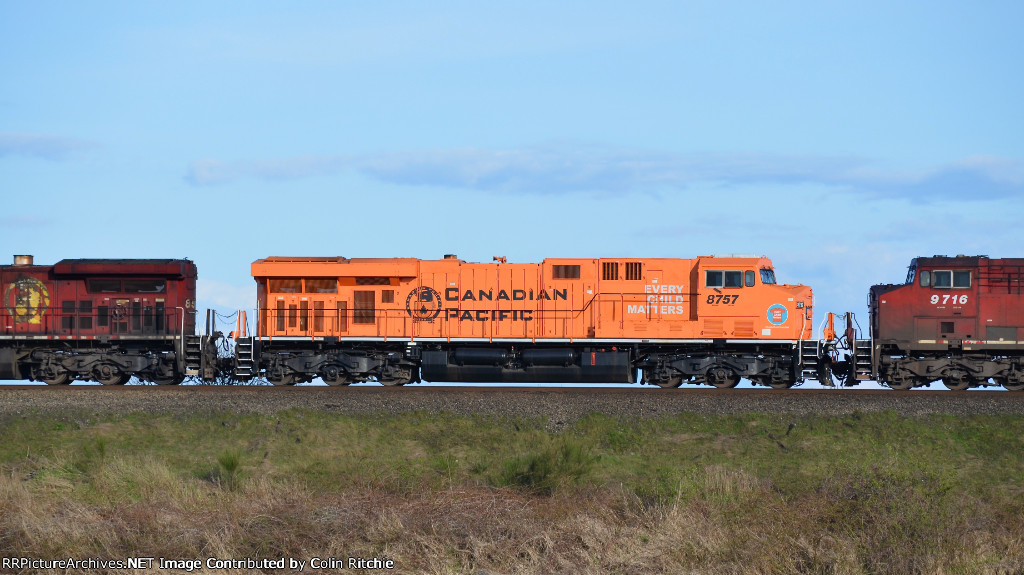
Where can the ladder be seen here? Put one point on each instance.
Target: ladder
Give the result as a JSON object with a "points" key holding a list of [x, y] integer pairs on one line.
{"points": [[862, 359], [245, 359], [193, 354], [810, 351]]}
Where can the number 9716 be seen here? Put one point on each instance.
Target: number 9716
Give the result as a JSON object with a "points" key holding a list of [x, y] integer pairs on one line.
{"points": [[947, 298]]}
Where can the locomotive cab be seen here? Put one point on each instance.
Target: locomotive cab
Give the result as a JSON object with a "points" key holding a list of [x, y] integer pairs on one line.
{"points": [[738, 297]]}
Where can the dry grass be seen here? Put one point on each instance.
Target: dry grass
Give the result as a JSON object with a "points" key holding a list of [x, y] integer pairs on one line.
{"points": [[92, 498]]}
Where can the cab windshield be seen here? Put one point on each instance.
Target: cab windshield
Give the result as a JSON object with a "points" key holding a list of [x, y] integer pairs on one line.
{"points": [[767, 276]]}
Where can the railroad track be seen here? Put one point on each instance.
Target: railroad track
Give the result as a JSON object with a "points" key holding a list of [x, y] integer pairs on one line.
{"points": [[557, 405]]}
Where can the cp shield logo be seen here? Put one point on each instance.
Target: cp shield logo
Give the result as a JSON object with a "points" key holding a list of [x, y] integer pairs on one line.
{"points": [[26, 299], [423, 304]]}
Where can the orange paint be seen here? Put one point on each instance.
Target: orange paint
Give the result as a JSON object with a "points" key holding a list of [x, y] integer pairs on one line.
{"points": [[558, 299]]}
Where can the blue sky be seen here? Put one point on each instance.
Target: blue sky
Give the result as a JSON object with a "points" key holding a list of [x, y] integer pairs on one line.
{"points": [[840, 139]]}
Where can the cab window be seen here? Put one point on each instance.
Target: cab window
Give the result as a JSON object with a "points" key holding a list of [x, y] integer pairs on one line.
{"points": [[946, 279], [768, 277], [726, 279]]}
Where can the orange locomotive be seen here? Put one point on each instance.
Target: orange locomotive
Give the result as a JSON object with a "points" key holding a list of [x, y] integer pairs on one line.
{"points": [[703, 320]]}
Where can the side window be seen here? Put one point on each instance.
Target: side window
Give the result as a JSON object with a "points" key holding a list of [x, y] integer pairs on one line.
{"points": [[713, 279], [946, 279], [321, 285], [962, 279], [145, 286], [926, 278], [103, 286], [727, 279], [748, 278], [285, 285]]}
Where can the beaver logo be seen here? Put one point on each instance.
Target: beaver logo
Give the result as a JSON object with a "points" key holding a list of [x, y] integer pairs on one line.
{"points": [[26, 300], [423, 304]]}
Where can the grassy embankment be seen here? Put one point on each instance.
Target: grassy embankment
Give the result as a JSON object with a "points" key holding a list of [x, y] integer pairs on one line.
{"points": [[865, 493]]}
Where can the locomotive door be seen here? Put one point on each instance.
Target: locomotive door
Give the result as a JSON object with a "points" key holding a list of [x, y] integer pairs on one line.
{"points": [[297, 315], [120, 315], [286, 317], [319, 324], [609, 301]]}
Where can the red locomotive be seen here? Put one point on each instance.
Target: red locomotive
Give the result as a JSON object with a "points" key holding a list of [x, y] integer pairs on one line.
{"points": [[99, 319], [955, 319]]}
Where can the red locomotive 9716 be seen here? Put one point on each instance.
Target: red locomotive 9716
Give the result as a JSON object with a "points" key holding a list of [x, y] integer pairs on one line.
{"points": [[96, 319], [955, 319]]}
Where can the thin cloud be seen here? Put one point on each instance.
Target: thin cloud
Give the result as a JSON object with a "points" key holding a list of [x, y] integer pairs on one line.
{"points": [[24, 221], [47, 147], [561, 170], [211, 172]]}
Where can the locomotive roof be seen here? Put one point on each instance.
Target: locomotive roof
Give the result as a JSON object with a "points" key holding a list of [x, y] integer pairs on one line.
{"points": [[177, 267], [966, 261]]}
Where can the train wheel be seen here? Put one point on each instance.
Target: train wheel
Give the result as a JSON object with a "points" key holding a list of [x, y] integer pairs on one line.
{"points": [[395, 376], [283, 380], [1005, 382], [110, 375], [772, 383], [723, 378], [60, 378], [957, 380], [394, 380], [670, 383], [902, 384], [334, 376]]}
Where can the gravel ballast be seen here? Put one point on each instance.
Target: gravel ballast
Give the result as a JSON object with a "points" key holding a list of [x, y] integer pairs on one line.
{"points": [[558, 406]]}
